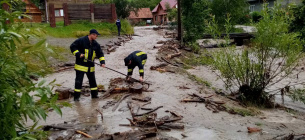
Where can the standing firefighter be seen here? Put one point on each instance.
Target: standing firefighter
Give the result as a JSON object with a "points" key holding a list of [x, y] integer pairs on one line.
{"points": [[118, 24], [85, 50], [137, 58]]}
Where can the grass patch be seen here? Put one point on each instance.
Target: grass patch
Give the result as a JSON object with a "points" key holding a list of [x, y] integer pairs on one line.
{"points": [[194, 60], [82, 28], [250, 111], [199, 80], [258, 124]]}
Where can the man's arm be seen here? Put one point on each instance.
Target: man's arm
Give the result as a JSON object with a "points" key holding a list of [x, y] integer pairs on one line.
{"points": [[100, 55], [74, 48]]}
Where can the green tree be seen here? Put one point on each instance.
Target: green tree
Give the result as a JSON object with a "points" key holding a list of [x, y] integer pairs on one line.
{"points": [[297, 16], [237, 9], [194, 15], [17, 103], [271, 57]]}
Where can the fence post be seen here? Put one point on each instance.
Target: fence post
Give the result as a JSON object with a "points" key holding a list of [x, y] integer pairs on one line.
{"points": [[92, 12], [52, 15], [113, 12], [6, 7], [66, 15]]}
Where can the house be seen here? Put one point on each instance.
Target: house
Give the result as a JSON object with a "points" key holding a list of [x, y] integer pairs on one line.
{"points": [[143, 14], [32, 11], [257, 5], [159, 12], [58, 4]]}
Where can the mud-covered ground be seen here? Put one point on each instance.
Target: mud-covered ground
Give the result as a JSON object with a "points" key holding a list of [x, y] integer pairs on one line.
{"points": [[200, 123]]}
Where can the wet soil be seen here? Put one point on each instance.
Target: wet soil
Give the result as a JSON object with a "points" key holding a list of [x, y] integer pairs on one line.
{"points": [[200, 123]]}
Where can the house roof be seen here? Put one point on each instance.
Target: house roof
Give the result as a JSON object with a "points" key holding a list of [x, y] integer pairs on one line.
{"points": [[142, 13], [163, 3]]}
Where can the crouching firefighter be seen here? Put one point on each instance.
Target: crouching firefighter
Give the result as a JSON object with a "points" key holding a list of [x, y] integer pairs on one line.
{"points": [[137, 58], [85, 50]]}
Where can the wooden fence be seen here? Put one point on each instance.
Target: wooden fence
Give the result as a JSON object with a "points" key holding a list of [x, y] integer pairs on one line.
{"points": [[91, 12]]}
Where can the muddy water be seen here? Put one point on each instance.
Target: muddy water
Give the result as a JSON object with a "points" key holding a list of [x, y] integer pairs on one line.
{"points": [[200, 123]]}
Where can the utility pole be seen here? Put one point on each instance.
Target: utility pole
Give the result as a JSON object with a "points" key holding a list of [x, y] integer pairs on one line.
{"points": [[180, 35]]}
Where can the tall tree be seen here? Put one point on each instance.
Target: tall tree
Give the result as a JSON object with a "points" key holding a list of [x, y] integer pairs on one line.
{"points": [[237, 9], [194, 14]]}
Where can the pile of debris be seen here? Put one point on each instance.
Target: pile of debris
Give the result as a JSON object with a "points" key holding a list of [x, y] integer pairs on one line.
{"points": [[66, 93], [149, 118], [111, 45]]}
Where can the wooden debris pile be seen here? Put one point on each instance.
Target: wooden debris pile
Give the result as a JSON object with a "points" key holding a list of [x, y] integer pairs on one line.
{"points": [[149, 118], [215, 106], [63, 67], [112, 45], [162, 68]]}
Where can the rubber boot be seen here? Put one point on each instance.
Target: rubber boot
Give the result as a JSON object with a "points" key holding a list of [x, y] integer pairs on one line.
{"points": [[76, 96], [94, 94]]}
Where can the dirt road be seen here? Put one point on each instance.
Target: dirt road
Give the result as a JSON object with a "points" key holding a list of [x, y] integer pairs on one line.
{"points": [[200, 123]]}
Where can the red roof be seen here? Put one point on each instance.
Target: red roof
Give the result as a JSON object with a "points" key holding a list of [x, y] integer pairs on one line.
{"points": [[142, 13], [163, 3]]}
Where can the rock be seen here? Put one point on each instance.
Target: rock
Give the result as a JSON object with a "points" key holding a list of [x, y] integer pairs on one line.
{"points": [[63, 93]]}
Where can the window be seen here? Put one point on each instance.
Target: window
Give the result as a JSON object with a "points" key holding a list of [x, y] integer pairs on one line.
{"points": [[156, 18], [251, 8], [59, 12]]}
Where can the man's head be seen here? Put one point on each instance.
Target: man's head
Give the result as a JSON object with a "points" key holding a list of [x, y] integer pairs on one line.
{"points": [[93, 34], [127, 61]]}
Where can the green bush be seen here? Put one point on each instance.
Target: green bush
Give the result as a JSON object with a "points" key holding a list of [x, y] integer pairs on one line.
{"points": [[297, 19], [256, 16], [237, 9], [17, 103], [254, 69]]}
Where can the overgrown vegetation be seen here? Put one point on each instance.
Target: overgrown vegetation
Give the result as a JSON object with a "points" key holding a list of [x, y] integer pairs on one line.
{"points": [[17, 103], [194, 14], [82, 28], [237, 9], [297, 16], [270, 58]]}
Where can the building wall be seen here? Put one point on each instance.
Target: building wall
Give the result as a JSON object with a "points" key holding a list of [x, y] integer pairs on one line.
{"points": [[158, 15], [257, 5]]}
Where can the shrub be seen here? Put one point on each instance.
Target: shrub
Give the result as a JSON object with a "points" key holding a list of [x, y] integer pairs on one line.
{"points": [[270, 58], [256, 16], [17, 103]]}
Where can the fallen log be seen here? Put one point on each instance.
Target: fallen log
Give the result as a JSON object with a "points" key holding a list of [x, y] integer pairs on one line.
{"points": [[169, 62], [174, 113], [191, 100], [174, 48], [83, 133], [174, 126], [111, 49], [158, 66], [146, 104], [129, 104], [100, 113], [48, 127], [118, 103], [149, 111], [144, 108], [145, 99], [108, 93], [172, 120]]}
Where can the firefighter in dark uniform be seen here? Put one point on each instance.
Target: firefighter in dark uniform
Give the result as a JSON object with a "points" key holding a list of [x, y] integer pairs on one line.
{"points": [[85, 50], [137, 58]]}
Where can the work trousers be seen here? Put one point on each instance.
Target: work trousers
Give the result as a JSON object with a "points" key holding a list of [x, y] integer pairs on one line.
{"points": [[119, 30], [79, 82]]}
